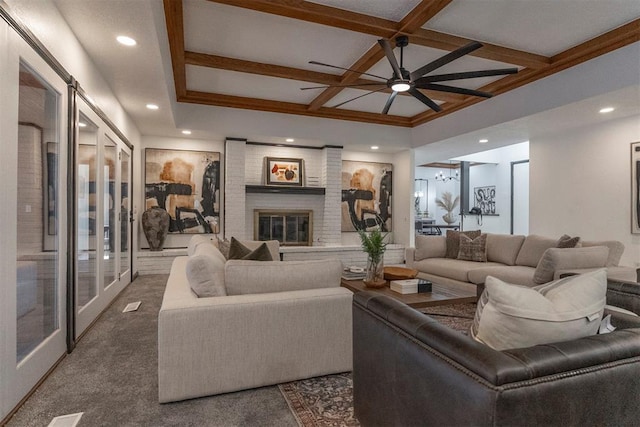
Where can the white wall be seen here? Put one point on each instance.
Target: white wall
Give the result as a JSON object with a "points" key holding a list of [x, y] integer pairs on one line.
{"points": [[46, 23], [580, 184], [497, 173]]}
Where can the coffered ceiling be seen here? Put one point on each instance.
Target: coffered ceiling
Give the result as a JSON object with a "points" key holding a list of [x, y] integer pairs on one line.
{"points": [[254, 54]]}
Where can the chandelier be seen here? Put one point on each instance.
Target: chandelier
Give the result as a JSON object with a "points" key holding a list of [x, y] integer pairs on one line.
{"points": [[441, 177]]}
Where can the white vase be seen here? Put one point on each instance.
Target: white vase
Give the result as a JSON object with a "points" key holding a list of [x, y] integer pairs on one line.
{"points": [[449, 217]]}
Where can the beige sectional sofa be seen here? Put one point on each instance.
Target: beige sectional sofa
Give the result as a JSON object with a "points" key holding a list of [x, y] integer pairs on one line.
{"points": [[514, 259], [280, 321]]}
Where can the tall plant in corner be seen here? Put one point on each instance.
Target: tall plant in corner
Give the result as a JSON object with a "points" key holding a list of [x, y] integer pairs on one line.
{"points": [[448, 203], [374, 245]]}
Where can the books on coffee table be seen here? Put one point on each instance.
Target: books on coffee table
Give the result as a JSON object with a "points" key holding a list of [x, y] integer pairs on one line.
{"points": [[410, 286]]}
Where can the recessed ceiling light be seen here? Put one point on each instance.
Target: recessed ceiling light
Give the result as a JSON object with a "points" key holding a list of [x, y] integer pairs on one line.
{"points": [[186, 132], [82, 125], [483, 141], [374, 147], [289, 139], [127, 41], [607, 110], [152, 106]]}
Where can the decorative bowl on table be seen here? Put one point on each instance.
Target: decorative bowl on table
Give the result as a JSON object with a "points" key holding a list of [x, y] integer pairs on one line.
{"points": [[399, 273]]}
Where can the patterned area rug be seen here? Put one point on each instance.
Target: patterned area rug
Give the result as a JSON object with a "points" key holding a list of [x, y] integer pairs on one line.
{"points": [[458, 317], [328, 401], [322, 401]]}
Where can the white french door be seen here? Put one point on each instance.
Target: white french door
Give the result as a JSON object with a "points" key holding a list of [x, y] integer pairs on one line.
{"points": [[103, 250], [33, 136]]}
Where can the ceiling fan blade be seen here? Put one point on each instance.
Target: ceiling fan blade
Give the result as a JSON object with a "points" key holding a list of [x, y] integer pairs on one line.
{"points": [[466, 75], [358, 97], [451, 56], [346, 69], [388, 51], [424, 99], [351, 85], [451, 89], [385, 110]]}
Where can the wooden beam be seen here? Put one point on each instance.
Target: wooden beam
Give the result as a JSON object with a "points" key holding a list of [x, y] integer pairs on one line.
{"points": [[414, 20], [221, 100], [365, 62], [319, 14], [605, 43], [427, 9], [240, 65], [175, 30], [437, 40]]}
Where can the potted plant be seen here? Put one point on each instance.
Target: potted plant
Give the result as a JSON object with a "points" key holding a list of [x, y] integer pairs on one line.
{"points": [[448, 203], [374, 245]]}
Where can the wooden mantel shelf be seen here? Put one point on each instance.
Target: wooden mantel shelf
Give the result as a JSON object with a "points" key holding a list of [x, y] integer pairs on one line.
{"points": [[284, 189]]}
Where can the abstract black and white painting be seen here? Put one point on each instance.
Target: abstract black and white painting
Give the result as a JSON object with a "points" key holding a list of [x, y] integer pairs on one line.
{"points": [[187, 185], [366, 196], [485, 199], [635, 188]]}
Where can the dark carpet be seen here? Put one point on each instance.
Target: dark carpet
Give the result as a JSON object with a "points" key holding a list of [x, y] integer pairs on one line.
{"points": [[111, 376]]}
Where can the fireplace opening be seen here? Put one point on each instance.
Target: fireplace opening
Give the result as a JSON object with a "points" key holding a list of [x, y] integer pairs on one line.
{"points": [[290, 227]]}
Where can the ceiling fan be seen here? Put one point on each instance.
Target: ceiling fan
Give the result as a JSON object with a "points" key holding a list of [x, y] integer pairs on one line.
{"points": [[405, 81]]}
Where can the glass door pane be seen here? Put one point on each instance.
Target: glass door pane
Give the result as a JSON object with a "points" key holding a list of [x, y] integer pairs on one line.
{"points": [[110, 228], [38, 212], [124, 212], [87, 220]]}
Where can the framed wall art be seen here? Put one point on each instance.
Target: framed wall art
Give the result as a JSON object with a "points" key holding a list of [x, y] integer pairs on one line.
{"points": [[187, 185], [485, 199], [635, 188], [366, 195], [284, 171]]}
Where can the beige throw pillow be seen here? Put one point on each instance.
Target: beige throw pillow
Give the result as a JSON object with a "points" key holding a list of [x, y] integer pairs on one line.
{"points": [[512, 316], [555, 259], [473, 249]]}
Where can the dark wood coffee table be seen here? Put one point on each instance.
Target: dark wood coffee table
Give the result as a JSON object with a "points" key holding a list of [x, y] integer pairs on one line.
{"points": [[440, 295]]}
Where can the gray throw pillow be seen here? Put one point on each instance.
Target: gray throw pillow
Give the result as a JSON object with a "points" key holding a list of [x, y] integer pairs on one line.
{"points": [[239, 251], [567, 241], [224, 246], [261, 253], [473, 249], [453, 241]]}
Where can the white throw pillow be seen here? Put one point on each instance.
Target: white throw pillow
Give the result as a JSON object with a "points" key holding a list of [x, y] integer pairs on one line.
{"points": [[205, 272], [512, 316]]}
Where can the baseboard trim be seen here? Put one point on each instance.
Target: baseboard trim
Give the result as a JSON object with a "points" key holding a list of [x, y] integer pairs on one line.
{"points": [[33, 390]]}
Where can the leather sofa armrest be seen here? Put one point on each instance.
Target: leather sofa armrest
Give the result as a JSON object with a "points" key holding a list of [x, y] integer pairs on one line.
{"points": [[624, 295], [497, 367]]}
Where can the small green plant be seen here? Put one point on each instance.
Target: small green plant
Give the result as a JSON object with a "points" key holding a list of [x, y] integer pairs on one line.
{"points": [[373, 243]]}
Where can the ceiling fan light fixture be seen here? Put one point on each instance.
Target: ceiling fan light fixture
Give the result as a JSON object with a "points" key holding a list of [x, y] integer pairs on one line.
{"points": [[401, 86]]}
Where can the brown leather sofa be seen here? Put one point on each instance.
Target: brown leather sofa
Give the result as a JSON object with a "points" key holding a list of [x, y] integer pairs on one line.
{"points": [[409, 370]]}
